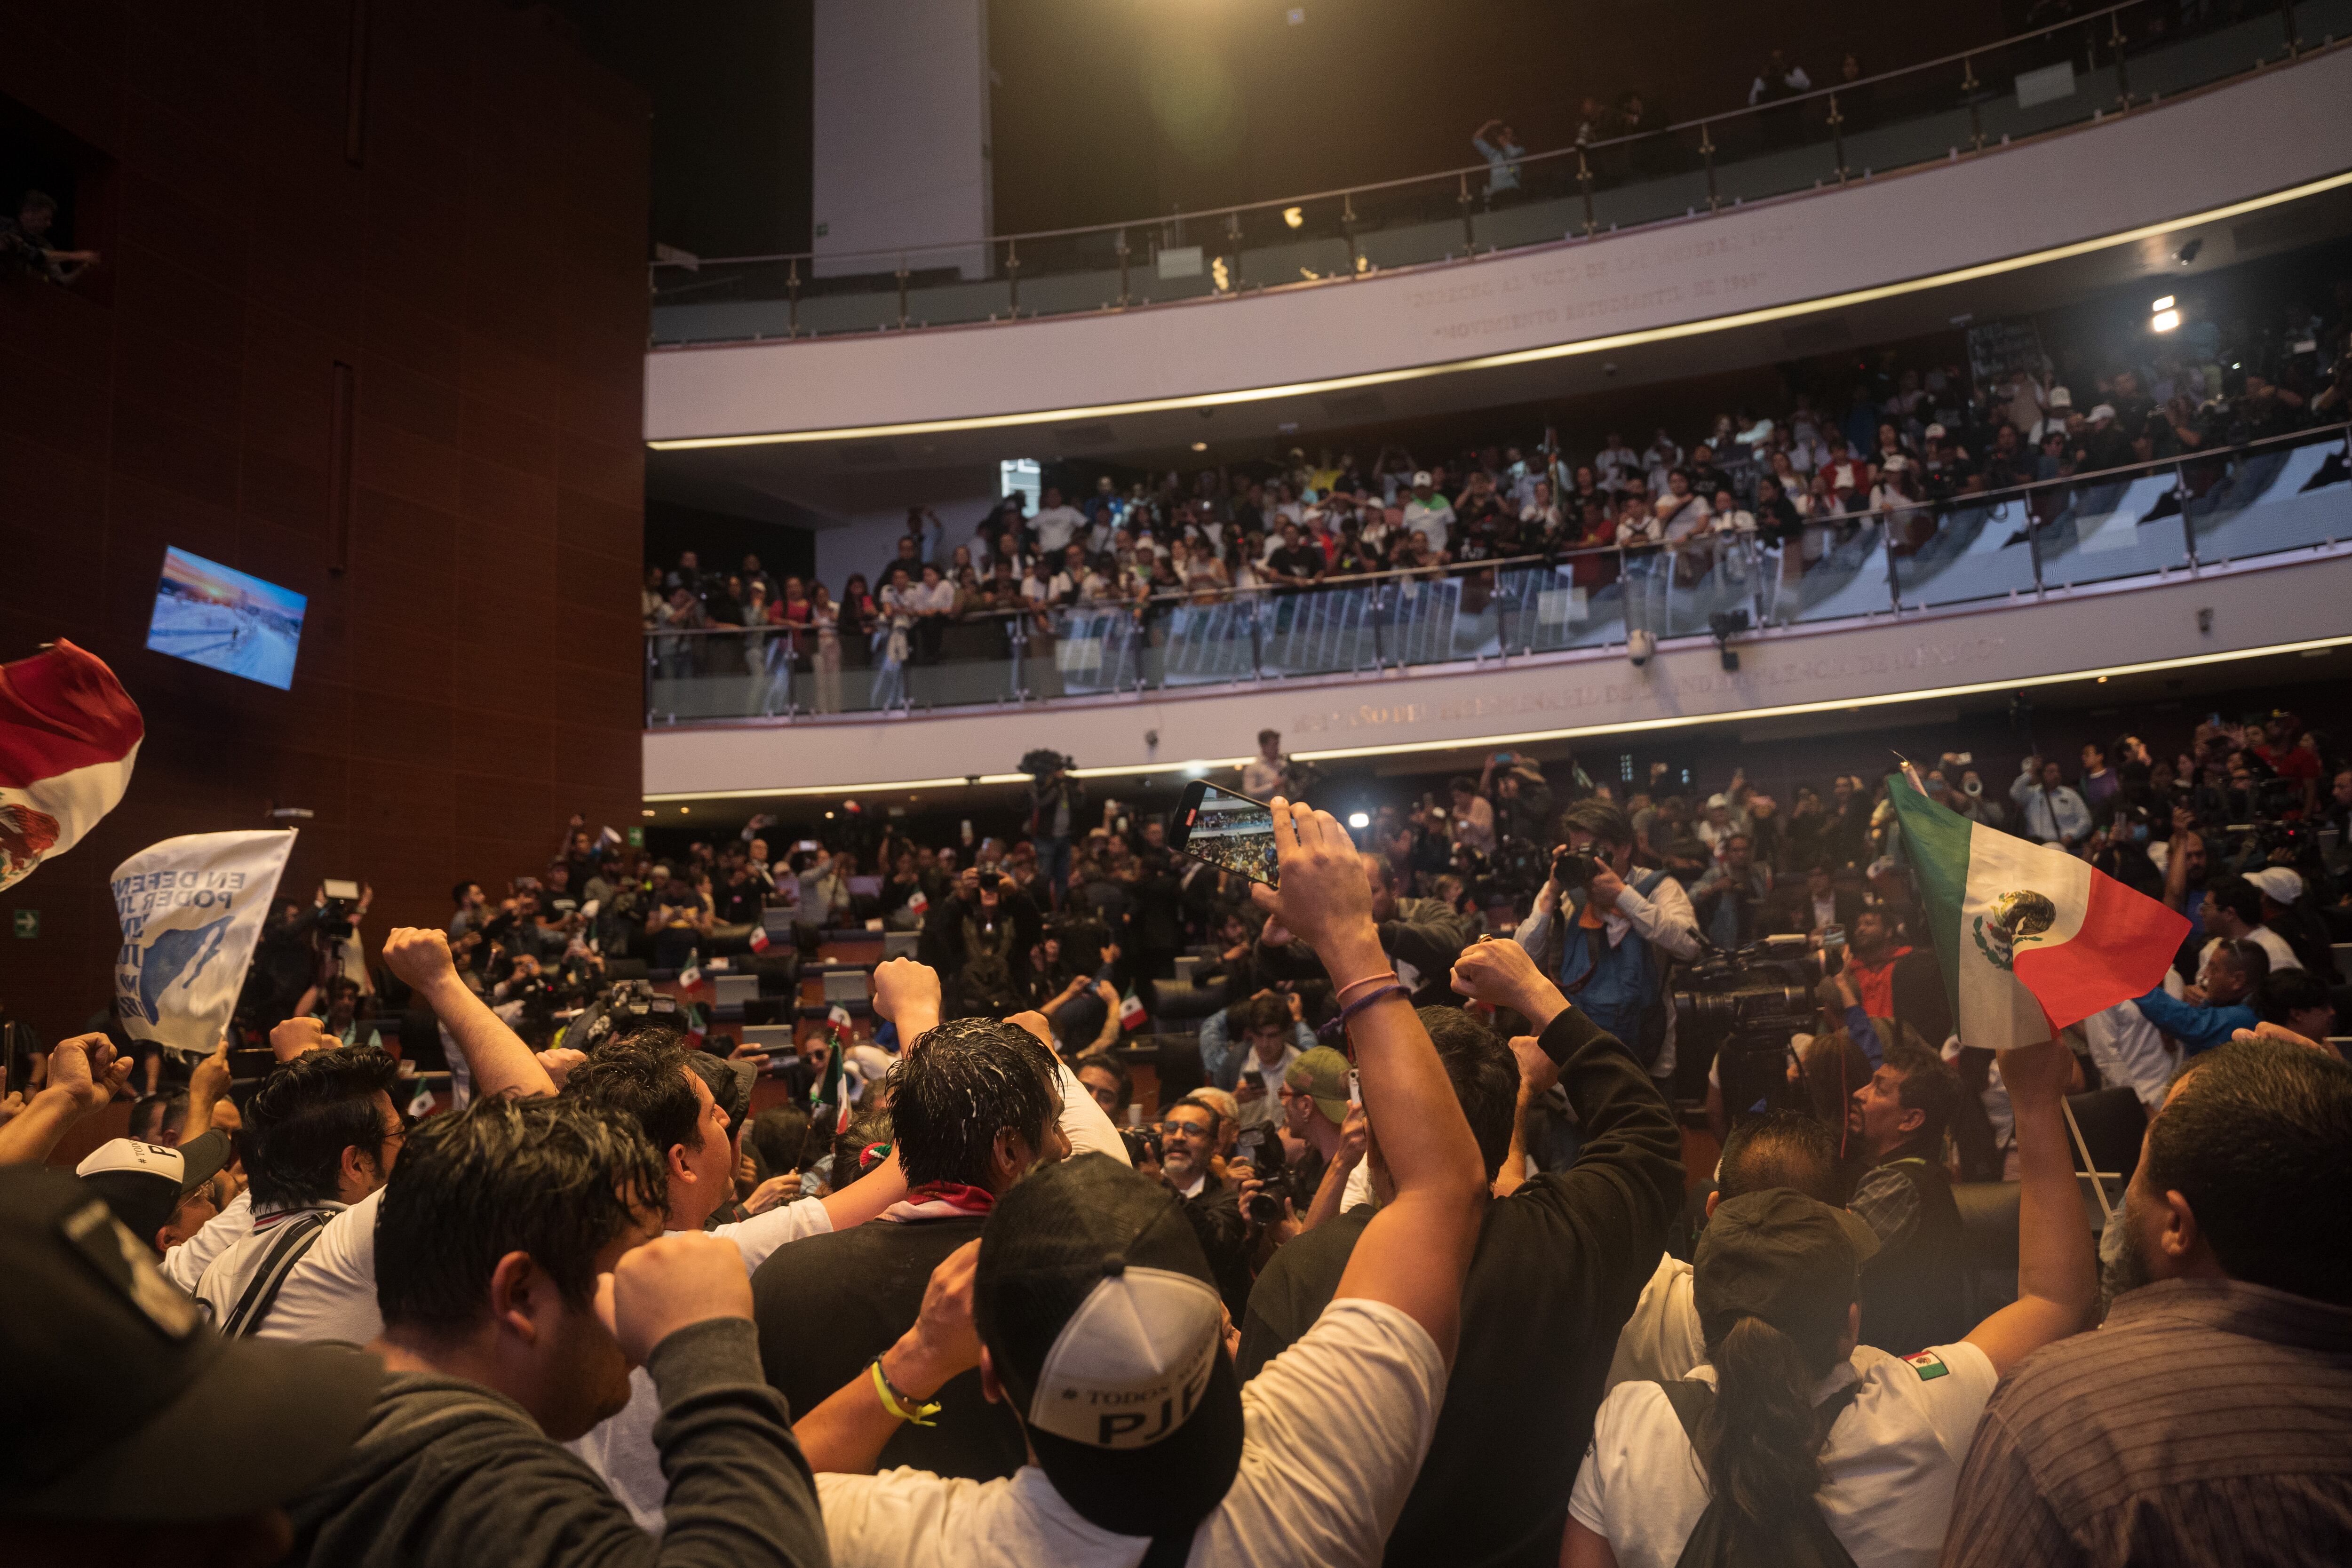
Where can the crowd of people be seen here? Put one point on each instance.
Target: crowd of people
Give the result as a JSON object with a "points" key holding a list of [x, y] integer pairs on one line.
{"points": [[1902, 446], [1419, 1272]]}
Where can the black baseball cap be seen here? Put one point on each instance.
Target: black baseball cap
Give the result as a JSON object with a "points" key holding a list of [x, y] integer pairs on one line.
{"points": [[121, 1404], [145, 1183], [1780, 1256], [1105, 1327]]}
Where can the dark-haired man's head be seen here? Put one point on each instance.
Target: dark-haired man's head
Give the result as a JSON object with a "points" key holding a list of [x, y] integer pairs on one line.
{"points": [[1782, 1149], [1873, 933], [1908, 1104], [2241, 1175], [977, 1103], [489, 1240], [1108, 1079], [2297, 999], [646, 1079], [160, 1118], [2233, 969], [2232, 906], [1602, 827], [1486, 1078], [776, 1135], [322, 1129]]}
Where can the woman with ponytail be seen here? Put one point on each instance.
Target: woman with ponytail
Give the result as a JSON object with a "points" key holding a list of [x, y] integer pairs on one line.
{"points": [[1792, 1446]]}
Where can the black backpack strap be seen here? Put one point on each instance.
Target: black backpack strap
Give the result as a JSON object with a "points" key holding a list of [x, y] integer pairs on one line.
{"points": [[295, 1237], [1692, 1400]]}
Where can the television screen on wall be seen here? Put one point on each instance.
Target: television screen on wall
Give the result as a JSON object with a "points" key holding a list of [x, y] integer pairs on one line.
{"points": [[214, 615]]}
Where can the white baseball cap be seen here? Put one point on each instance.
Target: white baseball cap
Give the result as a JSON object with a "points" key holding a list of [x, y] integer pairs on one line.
{"points": [[2283, 886]]}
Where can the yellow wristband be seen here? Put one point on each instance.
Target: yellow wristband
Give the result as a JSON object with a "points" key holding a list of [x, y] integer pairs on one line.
{"points": [[899, 1405]]}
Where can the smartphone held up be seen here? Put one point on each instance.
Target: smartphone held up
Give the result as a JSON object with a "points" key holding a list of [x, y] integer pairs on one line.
{"points": [[1226, 830]]}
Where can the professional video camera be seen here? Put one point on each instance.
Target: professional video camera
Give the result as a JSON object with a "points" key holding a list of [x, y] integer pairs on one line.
{"points": [[1044, 763], [625, 1007], [1745, 1007]]}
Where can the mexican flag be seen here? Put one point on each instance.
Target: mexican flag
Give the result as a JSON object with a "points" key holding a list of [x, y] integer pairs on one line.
{"points": [[70, 735], [2031, 938], [830, 1089], [1130, 1012]]}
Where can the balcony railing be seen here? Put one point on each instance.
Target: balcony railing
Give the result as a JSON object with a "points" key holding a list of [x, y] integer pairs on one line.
{"points": [[2288, 493], [2109, 61]]}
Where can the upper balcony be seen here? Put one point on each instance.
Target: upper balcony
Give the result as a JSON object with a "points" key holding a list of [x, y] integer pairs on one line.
{"points": [[2053, 162], [2156, 566]]}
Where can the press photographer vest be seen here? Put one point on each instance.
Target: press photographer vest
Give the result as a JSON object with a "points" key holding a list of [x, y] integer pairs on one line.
{"points": [[1620, 988]]}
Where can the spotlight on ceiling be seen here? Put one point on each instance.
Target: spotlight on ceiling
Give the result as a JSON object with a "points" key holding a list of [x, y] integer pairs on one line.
{"points": [[1360, 819]]}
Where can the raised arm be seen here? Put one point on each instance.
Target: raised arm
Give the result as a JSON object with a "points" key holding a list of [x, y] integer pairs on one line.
{"points": [[500, 1060], [1415, 1251], [84, 1076], [1630, 1143], [2057, 1284], [847, 1434]]}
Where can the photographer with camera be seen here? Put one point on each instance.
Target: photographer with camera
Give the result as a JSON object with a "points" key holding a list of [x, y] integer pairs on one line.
{"points": [[1247, 1049], [981, 937], [1610, 935]]}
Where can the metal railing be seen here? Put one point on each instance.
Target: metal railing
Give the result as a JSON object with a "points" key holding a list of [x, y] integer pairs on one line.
{"points": [[2112, 60], [2146, 520]]}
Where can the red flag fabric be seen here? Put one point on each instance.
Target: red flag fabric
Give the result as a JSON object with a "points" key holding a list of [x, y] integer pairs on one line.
{"points": [[69, 737]]}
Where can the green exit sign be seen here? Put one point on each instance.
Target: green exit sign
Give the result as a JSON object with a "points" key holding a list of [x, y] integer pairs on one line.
{"points": [[28, 923], [637, 838]]}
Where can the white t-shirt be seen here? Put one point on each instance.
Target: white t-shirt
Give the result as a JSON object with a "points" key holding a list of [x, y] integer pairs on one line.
{"points": [[1055, 525], [1337, 1428], [185, 1265], [1662, 1339], [621, 1448], [1891, 1462]]}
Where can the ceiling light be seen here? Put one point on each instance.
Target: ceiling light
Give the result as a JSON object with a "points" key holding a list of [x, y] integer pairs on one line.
{"points": [[1295, 216], [1200, 445], [2164, 321], [2163, 304], [1360, 819]]}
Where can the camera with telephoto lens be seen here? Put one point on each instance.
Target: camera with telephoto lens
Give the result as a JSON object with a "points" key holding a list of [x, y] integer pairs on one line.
{"points": [[1142, 1145], [1746, 1006], [625, 1007], [1261, 1147], [1574, 869]]}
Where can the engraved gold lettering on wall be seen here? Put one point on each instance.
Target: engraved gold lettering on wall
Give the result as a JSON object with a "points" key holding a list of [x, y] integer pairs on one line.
{"points": [[1698, 694]]}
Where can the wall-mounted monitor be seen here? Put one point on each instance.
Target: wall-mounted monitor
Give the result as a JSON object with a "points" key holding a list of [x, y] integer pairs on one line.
{"points": [[214, 615]]}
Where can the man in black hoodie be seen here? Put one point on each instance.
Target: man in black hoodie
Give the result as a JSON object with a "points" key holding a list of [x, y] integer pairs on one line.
{"points": [[522, 1271]]}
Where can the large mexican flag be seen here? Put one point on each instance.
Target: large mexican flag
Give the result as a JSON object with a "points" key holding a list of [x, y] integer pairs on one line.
{"points": [[2031, 938]]}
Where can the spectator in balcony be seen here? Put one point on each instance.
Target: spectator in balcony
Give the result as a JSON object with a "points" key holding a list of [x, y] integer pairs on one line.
{"points": [[650, 598], [1502, 153], [1056, 523], [680, 654], [688, 575], [1428, 513], [1854, 96], [24, 242]]}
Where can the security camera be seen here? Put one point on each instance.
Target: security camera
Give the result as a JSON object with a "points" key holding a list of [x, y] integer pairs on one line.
{"points": [[2188, 253], [1151, 737], [2205, 620], [1639, 646]]}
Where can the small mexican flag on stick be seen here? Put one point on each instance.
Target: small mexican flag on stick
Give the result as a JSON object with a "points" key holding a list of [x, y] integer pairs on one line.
{"points": [[2031, 938], [830, 1089]]}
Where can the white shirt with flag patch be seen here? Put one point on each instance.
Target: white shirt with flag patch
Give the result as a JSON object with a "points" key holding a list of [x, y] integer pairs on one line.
{"points": [[1892, 1460]]}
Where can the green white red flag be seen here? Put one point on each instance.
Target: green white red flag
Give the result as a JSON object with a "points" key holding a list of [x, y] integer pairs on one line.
{"points": [[2031, 938]]}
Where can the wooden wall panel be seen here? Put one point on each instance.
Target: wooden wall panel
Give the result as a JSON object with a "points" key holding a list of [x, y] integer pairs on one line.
{"points": [[463, 686]]}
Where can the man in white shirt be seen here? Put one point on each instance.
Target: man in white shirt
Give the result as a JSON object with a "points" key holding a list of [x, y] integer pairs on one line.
{"points": [[1262, 774], [1428, 513], [2233, 911], [1615, 463], [1055, 524], [1097, 1321]]}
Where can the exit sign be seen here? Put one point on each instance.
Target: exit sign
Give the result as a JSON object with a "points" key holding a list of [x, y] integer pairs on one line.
{"points": [[28, 923]]}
